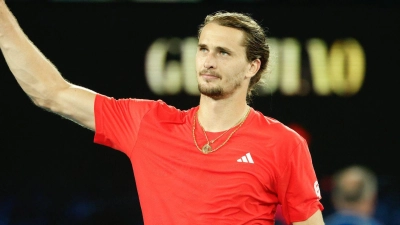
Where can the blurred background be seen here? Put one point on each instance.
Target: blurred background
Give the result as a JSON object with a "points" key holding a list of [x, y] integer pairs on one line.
{"points": [[333, 77]]}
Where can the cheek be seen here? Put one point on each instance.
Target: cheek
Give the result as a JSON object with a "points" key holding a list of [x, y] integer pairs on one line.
{"points": [[242, 68], [236, 68]]}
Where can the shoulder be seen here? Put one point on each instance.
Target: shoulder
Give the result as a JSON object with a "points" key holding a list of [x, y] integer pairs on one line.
{"points": [[133, 103], [165, 113], [121, 102], [143, 108], [273, 128]]}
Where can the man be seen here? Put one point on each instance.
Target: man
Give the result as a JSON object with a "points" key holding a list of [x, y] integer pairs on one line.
{"points": [[354, 196], [221, 162]]}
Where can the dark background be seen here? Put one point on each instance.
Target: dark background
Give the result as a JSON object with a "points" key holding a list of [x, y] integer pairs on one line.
{"points": [[52, 173]]}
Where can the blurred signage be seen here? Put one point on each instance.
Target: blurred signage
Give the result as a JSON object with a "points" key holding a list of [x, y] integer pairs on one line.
{"points": [[295, 68]]}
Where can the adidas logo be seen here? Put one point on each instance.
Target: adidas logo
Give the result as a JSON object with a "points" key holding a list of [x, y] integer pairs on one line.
{"points": [[246, 159]]}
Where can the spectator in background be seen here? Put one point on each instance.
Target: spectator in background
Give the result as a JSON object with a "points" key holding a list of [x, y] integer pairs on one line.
{"points": [[354, 197]]}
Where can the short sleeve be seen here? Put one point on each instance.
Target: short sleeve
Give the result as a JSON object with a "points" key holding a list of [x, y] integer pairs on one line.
{"points": [[118, 121], [298, 189]]}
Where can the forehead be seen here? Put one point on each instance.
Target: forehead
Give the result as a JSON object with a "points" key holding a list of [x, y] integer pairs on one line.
{"points": [[215, 35]]}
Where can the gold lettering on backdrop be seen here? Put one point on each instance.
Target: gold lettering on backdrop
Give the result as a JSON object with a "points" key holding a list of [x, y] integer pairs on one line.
{"points": [[347, 66], [271, 76], [290, 80], [339, 70], [164, 77], [189, 49], [318, 55]]}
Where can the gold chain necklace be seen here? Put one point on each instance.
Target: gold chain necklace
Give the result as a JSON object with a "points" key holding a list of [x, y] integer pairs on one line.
{"points": [[207, 147]]}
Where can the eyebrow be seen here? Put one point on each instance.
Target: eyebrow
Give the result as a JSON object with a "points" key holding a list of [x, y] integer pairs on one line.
{"points": [[219, 48], [202, 46]]}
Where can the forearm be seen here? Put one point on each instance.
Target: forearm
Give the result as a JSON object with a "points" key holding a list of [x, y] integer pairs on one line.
{"points": [[36, 75]]}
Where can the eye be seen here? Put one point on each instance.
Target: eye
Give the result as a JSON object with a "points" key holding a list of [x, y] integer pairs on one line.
{"points": [[224, 53], [202, 49]]}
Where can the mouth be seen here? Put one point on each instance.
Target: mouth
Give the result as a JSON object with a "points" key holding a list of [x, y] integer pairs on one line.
{"points": [[208, 75]]}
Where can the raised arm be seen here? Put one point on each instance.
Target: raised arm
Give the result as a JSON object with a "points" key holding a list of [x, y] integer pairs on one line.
{"points": [[39, 78]]}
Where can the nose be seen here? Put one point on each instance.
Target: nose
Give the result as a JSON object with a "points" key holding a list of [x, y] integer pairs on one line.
{"points": [[210, 61]]}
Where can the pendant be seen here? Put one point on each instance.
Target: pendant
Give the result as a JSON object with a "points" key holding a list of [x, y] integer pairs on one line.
{"points": [[206, 148]]}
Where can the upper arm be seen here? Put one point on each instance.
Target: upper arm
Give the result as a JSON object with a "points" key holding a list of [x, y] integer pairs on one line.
{"points": [[39, 78], [74, 103], [315, 219]]}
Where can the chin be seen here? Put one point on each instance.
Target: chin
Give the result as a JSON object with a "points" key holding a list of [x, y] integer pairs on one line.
{"points": [[212, 92]]}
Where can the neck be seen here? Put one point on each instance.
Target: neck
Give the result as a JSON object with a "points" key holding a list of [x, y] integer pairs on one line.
{"points": [[222, 114]]}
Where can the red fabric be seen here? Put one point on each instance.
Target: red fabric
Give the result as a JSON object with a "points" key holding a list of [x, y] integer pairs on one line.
{"points": [[177, 184]]}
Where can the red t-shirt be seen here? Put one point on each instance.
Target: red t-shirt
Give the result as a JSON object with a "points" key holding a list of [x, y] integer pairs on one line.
{"points": [[263, 164]]}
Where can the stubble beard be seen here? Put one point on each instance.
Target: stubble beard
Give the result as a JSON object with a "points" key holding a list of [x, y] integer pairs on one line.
{"points": [[218, 92], [212, 92]]}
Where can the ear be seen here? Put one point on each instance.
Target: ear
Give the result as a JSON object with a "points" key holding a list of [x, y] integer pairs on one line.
{"points": [[254, 66]]}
